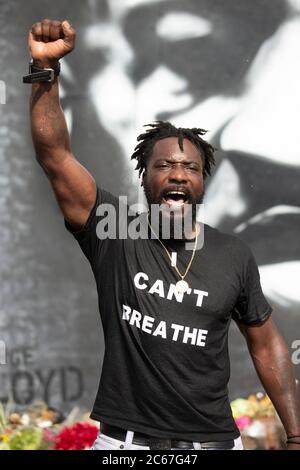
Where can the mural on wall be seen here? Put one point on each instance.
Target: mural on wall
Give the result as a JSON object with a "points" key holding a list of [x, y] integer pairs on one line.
{"points": [[228, 66]]}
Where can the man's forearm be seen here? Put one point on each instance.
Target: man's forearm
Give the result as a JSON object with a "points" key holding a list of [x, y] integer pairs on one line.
{"points": [[48, 125], [275, 370]]}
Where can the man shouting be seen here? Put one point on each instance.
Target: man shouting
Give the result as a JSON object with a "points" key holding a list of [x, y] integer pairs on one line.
{"points": [[165, 304]]}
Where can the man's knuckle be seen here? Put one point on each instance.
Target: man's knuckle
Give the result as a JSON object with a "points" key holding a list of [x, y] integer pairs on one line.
{"points": [[35, 26]]}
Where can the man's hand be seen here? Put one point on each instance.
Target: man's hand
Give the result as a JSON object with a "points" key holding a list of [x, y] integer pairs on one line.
{"points": [[50, 40]]}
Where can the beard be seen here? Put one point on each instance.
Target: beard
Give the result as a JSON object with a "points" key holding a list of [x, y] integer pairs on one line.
{"points": [[175, 222]]}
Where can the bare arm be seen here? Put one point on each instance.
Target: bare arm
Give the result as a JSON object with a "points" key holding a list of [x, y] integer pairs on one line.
{"points": [[272, 361], [74, 187]]}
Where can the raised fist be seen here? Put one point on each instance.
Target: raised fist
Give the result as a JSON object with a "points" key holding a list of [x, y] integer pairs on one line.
{"points": [[50, 40]]}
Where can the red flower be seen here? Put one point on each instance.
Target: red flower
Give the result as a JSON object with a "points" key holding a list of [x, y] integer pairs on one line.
{"points": [[77, 437]]}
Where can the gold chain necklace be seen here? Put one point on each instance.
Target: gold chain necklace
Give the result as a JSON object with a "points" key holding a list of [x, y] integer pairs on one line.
{"points": [[181, 286]]}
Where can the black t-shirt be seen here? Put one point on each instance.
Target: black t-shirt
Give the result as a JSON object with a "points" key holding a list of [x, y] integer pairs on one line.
{"points": [[166, 364]]}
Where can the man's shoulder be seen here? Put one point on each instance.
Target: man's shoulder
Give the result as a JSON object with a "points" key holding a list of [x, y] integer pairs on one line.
{"points": [[105, 197], [224, 240]]}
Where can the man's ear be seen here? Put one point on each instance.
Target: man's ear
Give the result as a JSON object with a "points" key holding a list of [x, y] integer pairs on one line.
{"points": [[143, 178]]}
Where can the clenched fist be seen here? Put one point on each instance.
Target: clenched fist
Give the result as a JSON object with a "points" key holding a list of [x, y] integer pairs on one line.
{"points": [[50, 40]]}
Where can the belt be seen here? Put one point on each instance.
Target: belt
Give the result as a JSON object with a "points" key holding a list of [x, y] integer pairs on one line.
{"points": [[157, 443]]}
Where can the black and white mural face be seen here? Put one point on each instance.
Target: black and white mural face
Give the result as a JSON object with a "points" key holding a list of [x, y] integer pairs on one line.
{"points": [[230, 66]]}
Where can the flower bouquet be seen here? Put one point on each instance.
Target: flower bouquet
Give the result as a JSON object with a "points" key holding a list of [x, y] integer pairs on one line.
{"points": [[43, 428]]}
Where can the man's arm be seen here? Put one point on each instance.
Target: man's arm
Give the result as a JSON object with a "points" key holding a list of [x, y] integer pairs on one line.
{"points": [[74, 187], [272, 362]]}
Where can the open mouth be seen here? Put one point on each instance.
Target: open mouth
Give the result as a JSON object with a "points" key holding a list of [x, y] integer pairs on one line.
{"points": [[175, 198]]}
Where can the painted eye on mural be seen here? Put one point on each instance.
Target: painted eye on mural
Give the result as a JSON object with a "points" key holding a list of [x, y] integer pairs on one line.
{"points": [[179, 26]]}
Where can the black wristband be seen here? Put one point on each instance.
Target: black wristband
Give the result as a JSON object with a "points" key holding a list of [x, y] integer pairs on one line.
{"points": [[38, 75]]}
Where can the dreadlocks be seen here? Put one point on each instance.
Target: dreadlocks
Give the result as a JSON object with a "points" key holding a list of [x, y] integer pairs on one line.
{"points": [[161, 130]]}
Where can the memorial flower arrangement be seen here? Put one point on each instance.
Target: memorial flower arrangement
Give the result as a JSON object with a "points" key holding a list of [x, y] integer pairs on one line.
{"points": [[245, 411], [43, 428], [40, 427], [258, 422]]}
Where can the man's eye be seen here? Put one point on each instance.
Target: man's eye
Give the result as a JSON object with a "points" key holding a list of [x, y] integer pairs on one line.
{"points": [[163, 165], [193, 168]]}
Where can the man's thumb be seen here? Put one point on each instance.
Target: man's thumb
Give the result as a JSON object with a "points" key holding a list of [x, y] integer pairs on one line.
{"points": [[67, 30]]}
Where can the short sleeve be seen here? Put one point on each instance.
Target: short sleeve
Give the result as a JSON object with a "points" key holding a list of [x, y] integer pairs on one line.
{"points": [[251, 306], [88, 237]]}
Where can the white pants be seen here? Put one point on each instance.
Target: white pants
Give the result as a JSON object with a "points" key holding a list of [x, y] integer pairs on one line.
{"points": [[104, 442]]}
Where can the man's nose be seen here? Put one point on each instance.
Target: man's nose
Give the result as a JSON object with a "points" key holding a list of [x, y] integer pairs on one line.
{"points": [[177, 174]]}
